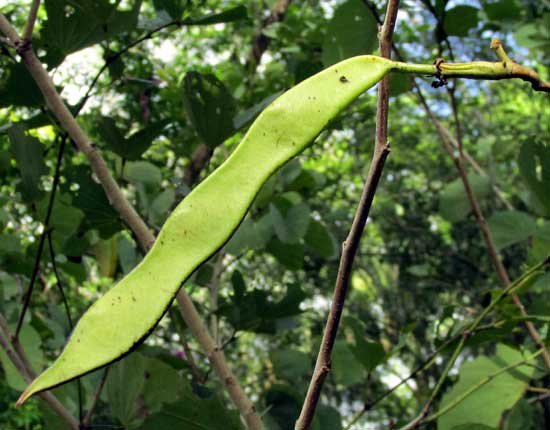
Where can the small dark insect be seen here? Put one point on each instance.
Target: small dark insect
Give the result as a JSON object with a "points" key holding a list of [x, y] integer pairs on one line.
{"points": [[441, 80], [343, 79]]}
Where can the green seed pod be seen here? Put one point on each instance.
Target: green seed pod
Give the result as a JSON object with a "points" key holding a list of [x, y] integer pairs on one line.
{"points": [[204, 221]]}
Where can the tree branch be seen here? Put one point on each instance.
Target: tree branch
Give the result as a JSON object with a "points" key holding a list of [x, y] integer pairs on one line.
{"points": [[351, 244], [29, 27], [217, 358], [117, 199], [88, 417]]}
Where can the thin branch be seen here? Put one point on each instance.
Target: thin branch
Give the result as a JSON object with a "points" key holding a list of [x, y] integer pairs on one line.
{"points": [[46, 226], [29, 27], [88, 418], [217, 358], [67, 310], [351, 244], [214, 286], [28, 294], [117, 199], [195, 372], [28, 375], [58, 282]]}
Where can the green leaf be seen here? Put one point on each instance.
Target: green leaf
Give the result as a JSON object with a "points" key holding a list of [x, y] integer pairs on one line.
{"points": [[283, 404], [191, 412], [112, 135], [90, 198], [236, 13], [250, 235], [320, 240], [133, 147], [209, 106], [245, 117], [534, 166], [256, 310], [174, 8], [509, 227], [31, 342], [352, 31], [540, 244], [124, 385], [524, 416], [72, 26], [290, 255], [160, 207], [293, 227], [327, 418], [290, 364], [162, 385], [64, 221], [487, 404], [142, 139], [127, 255], [460, 19], [369, 353], [453, 201], [503, 10], [400, 84], [142, 172], [346, 369], [18, 88], [473, 427], [28, 152]]}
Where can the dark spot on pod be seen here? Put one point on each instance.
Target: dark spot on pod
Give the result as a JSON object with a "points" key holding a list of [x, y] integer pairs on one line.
{"points": [[343, 79]]}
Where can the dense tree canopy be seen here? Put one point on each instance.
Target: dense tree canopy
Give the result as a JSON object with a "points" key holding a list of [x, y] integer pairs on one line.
{"points": [[166, 89]]}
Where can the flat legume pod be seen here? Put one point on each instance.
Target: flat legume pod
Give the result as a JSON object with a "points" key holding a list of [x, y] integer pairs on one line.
{"points": [[206, 219]]}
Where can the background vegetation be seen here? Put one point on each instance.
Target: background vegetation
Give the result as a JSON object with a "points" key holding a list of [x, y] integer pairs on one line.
{"points": [[166, 88]]}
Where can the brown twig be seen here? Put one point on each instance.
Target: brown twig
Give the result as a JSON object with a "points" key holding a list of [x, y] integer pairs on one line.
{"points": [[351, 244], [88, 417], [29, 27], [217, 358], [117, 199], [195, 371]]}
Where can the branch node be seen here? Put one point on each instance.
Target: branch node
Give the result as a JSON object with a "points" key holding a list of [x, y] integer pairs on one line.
{"points": [[22, 46], [496, 45]]}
